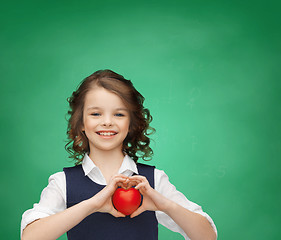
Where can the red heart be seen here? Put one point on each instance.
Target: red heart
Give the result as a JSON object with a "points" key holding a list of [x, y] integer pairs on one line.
{"points": [[126, 201]]}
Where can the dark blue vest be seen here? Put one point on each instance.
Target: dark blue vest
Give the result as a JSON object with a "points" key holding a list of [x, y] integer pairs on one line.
{"points": [[104, 226]]}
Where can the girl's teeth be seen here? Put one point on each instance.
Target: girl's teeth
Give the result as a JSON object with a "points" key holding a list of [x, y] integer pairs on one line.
{"points": [[106, 134]]}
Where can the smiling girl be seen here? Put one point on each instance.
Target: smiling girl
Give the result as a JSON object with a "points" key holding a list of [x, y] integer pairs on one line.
{"points": [[108, 132]]}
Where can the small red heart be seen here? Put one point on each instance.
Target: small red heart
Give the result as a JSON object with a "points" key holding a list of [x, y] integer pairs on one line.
{"points": [[126, 201]]}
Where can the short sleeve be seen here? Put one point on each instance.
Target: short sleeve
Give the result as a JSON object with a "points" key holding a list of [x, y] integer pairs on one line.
{"points": [[52, 200], [167, 189]]}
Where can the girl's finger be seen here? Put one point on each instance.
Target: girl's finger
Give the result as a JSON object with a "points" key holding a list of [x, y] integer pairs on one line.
{"points": [[117, 214], [133, 183], [119, 176], [122, 185], [137, 212], [118, 179], [140, 185], [138, 177]]}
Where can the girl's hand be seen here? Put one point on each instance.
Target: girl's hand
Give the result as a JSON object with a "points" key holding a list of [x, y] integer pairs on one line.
{"points": [[152, 200], [102, 201]]}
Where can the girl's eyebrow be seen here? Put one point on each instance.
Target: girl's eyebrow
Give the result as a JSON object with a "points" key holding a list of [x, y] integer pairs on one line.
{"points": [[118, 109], [89, 108]]}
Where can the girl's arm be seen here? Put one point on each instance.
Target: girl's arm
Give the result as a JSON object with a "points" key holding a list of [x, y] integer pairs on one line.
{"points": [[52, 227], [193, 224]]}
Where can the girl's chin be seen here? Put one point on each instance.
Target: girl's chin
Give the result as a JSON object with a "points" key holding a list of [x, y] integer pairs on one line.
{"points": [[107, 148]]}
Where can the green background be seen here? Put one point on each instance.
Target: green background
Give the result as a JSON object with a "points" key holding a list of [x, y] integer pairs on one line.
{"points": [[210, 73]]}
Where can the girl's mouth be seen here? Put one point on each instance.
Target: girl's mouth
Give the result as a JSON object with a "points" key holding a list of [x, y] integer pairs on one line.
{"points": [[106, 133]]}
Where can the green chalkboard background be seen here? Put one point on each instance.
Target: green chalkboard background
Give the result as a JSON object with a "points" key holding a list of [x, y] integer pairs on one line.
{"points": [[210, 73]]}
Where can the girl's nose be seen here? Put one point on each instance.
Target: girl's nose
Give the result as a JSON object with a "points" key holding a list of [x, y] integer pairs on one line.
{"points": [[107, 121]]}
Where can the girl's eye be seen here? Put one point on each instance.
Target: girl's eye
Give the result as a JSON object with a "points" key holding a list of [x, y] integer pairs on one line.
{"points": [[119, 115], [95, 114]]}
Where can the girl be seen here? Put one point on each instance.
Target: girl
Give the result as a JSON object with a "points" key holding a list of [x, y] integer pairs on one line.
{"points": [[108, 131]]}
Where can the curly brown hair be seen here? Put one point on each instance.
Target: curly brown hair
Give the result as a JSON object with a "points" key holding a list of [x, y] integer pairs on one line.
{"points": [[136, 143]]}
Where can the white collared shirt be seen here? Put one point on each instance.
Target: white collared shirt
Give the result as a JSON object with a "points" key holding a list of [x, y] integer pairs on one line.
{"points": [[53, 197]]}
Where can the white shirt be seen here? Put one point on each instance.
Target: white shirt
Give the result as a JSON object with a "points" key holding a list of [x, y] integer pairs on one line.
{"points": [[53, 197]]}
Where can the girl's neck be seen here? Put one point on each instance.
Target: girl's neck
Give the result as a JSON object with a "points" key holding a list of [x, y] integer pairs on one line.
{"points": [[107, 160]]}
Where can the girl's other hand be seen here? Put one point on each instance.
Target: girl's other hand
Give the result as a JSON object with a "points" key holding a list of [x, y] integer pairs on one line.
{"points": [[102, 201], [152, 200]]}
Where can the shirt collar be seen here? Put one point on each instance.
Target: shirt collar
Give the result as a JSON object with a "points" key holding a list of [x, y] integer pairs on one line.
{"points": [[128, 164], [87, 164]]}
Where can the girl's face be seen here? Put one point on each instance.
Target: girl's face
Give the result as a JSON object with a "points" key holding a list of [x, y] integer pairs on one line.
{"points": [[106, 120]]}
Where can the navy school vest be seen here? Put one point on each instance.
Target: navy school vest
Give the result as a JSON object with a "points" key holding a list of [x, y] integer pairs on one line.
{"points": [[104, 226]]}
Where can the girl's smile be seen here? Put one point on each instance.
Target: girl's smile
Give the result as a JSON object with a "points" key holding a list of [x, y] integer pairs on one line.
{"points": [[107, 134]]}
